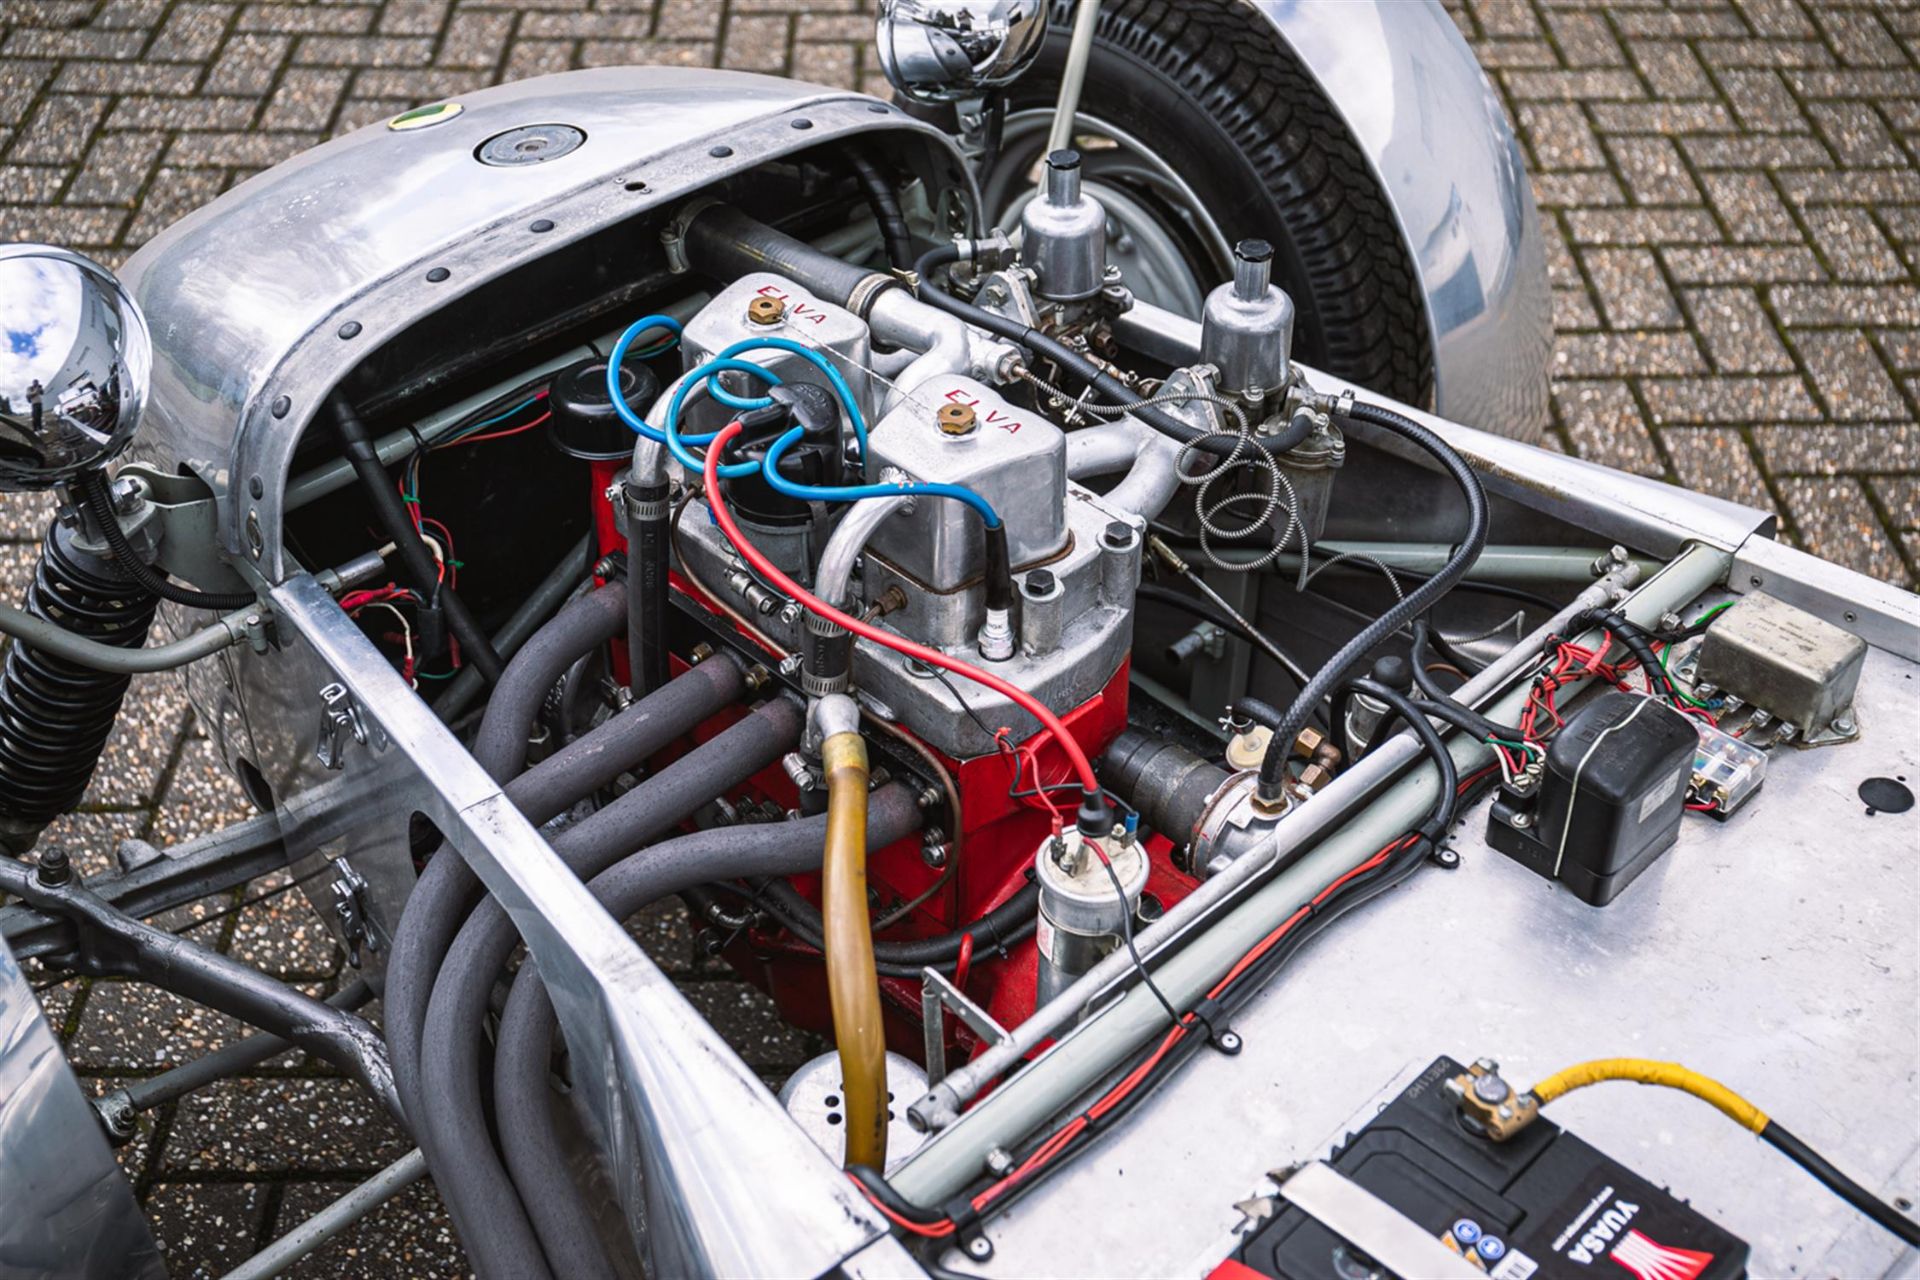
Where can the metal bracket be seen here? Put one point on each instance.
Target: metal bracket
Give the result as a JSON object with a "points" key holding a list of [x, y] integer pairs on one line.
{"points": [[357, 926], [340, 720], [939, 996]]}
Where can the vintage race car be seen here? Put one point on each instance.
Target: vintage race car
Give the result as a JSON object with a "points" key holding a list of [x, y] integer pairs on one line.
{"points": [[1054, 571]]}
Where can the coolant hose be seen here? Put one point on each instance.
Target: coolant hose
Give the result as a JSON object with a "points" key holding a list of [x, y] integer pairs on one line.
{"points": [[448, 887], [648, 511], [885, 203], [475, 646], [1341, 666], [853, 985], [452, 1042], [540, 1166]]}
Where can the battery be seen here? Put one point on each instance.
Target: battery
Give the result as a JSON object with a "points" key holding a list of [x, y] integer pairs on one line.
{"points": [[1542, 1205]]}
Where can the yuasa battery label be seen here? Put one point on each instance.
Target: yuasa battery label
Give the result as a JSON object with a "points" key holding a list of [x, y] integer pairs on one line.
{"points": [[1617, 1219]]}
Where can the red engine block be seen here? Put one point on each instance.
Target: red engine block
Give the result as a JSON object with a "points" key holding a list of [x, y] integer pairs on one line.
{"points": [[988, 862]]}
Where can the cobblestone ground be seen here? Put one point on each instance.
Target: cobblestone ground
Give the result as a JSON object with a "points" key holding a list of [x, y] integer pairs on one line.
{"points": [[1731, 200]]}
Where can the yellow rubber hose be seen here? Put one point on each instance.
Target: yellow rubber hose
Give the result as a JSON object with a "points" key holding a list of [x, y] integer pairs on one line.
{"points": [[1667, 1075], [853, 984]]}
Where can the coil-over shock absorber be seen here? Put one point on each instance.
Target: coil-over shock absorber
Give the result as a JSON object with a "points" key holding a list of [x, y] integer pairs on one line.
{"points": [[55, 714]]}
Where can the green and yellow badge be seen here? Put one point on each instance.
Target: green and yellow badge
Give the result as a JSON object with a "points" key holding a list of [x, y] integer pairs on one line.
{"points": [[424, 117]]}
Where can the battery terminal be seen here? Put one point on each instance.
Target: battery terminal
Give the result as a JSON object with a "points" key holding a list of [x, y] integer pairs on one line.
{"points": [[1489, 1103]]}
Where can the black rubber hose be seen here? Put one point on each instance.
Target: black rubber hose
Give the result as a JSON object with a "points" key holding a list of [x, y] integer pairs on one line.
{"points": [[647, 606], [448, 887], [1273, 768], [1110, 387], [98, 496], [357, 446], [1883, 1214], [525, 1046], [1399, 704], [452, 1042], [885, 203], [1009, 923]]}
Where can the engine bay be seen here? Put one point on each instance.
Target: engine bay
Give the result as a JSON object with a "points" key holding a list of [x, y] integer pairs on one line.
{"points": [[1130, 748]]}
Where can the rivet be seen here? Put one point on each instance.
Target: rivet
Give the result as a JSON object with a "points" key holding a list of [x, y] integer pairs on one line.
{"points": [[281, 406], [878, 108], [438, 274], [720, 152], [351, 329], [257, 487], [802, 122], [541, 225], [636, 184]]}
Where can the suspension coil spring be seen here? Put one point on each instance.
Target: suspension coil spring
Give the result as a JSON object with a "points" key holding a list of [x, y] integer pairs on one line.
{"points": [[56, 715]]}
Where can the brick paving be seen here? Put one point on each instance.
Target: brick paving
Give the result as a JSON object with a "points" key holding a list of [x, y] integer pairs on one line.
{"points": [[1731, 198]]}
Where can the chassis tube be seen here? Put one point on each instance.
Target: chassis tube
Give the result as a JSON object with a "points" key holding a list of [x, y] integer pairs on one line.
{"points": [[945, 1165], [1693, 572]]}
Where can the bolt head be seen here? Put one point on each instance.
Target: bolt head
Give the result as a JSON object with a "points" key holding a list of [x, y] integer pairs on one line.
{"points": [[956, 419], [54, 868]]}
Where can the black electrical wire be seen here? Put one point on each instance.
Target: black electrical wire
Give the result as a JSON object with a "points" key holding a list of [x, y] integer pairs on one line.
{"points": [[1355, 651], [1224, 443], [1398, 703], [358, 448], [1008, 924], [885, 203], [1354, 893], [1637, 640], [97, 496], [1823, 1171]]}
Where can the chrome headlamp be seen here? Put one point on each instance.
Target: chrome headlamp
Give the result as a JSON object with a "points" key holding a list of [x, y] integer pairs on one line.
{"points": [[945, 50], [74, 364]]}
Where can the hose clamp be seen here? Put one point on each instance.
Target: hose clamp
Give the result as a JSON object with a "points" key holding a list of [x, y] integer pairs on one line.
{"points": [[818, 686], [861, 297]]}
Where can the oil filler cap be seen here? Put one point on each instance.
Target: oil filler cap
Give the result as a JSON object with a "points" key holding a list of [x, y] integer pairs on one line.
{"points": [[529, 144]]}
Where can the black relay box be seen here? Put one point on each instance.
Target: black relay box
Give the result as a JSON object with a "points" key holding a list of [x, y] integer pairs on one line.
{"points": [[1610, 800], [1541, 1206]]}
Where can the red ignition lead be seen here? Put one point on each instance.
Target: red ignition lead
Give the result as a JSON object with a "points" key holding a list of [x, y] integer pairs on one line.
{"points": [[1082, 766]]}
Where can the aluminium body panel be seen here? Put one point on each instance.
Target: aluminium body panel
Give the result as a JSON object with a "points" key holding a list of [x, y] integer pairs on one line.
{"points": [[261, 301], [1421, 109], [1779, 953], [715, 1177], [67, 1211]]}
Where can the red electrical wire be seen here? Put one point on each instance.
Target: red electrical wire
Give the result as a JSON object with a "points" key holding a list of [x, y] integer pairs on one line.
{"points": [[501, 434], [1064, 1136], [1082, 766]]}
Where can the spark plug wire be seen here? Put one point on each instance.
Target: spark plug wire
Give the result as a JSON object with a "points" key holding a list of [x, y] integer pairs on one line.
{"points": [[1082, 765]]}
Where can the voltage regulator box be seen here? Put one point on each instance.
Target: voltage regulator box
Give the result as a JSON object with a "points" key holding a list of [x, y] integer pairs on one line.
{"points": [[1609, 801], [1542, 1205]]}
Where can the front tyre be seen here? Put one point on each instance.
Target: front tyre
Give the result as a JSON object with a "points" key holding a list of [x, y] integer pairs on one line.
{"points": [[1199, 127]]}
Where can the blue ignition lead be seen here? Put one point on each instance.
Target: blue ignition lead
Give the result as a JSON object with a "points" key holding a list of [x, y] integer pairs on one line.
{"points": [[834, 380], [708, 374], [855, 492]]}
